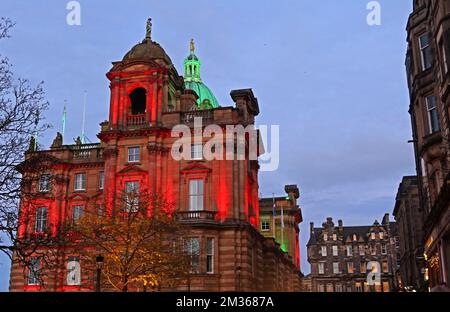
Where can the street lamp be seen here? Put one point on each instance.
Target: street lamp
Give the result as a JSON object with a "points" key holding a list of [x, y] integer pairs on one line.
{"points": [[239, 269], [99, 260]]}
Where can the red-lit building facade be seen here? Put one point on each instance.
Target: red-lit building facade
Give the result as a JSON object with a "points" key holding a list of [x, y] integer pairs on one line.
{"points": [[217, 199]]}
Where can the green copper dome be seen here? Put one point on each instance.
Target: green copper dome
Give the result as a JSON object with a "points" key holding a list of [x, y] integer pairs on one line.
{"points": [[192, 81]]}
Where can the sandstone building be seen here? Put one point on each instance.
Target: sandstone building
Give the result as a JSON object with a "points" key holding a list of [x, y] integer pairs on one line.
{"points": [[217, 199]]}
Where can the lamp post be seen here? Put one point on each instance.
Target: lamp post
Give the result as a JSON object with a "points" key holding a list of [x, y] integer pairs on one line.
{"points": [[99, 260], [239, 269]]}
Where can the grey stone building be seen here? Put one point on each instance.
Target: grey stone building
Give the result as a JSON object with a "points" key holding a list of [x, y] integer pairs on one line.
{"points": [[342, 257]]}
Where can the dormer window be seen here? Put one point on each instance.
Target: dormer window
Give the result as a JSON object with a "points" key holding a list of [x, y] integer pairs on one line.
{"points": [[138, 101]]}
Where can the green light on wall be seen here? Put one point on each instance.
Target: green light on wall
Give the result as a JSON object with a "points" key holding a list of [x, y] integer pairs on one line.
{"points": [[284, 248]]}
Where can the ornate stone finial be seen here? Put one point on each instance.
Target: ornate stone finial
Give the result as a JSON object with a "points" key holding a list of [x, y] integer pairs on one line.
{"points": [[78, 141], [148, 35], [192, 46]]}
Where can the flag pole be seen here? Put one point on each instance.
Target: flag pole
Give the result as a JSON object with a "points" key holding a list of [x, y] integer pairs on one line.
{"points": [[64, 116], [83, 136], [274, 213]]}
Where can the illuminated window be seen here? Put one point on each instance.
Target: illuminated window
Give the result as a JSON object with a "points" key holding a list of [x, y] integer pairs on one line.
{"points": [[334, 237], [363, 267], [385, 267], [386, 287], [196, 151], [335, 251], [73, 271], [132, 196], [80, 181], [210, 255], [335, 267], [321, 267], [134, 154], [101, 180], [425, 52], [325, 236], [77, 213], [350, 267], [372, 235], [338, 288], [381, 235], [41, 220], [323, 250], [355, 238], [433, 118], [373, 249], [265, 225], [349, 250], [34, 270], [196, 195], [44, 183], [358, 287]]}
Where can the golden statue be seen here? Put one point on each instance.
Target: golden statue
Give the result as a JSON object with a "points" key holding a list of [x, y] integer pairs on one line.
{"points": [[192, 46]]}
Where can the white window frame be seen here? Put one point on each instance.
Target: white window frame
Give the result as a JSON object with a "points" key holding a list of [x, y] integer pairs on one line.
{"points": [[265, 225], [44, 183], [430, 111], [335, 251], [323, 251], [423, 50], [77, 213], [73, 272], [134, 154], [101, 180], [325, 237], [349, 250], [196, 195], [41, 220], [210, 255], [335, 237], [34, 271], [335, 267], [80, 181], [321, 268], [197, 151]]}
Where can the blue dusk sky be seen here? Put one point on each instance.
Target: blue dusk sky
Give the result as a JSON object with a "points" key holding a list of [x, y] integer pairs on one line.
{"points": [[336, 86]]}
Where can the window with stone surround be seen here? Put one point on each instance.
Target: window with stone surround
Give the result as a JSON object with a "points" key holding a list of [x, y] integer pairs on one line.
{"points": [[196, 194], [80, 181], [321, 268], [335, 251], [335, 267], [426, 53]]}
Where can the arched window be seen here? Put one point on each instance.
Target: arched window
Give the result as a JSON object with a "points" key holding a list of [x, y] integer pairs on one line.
{"points": [[138, 101]]}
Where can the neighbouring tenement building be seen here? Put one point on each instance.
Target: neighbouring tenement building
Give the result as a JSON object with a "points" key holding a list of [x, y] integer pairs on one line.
{"points": [[341, 257], [409, 219], [217, 199], [428, 65]]}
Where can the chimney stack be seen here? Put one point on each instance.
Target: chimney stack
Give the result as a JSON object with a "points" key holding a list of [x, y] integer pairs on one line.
{"points": [[311, 227]]}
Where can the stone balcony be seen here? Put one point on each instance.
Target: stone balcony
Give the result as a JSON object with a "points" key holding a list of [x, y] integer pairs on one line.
{"points": [[192, 217]]}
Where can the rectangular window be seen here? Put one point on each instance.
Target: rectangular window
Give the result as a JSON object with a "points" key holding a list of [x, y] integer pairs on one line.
{"points": [[334, 237], [372, 235], [34, 270], [432, 113], [381, 235], [80, 182], [321, 288], [44, 183], [325, 237], [265, 225], [363, 267], [193, 250], [335, 251], [73, 271], [197, 151], [134, 154], [101, 180], [338, 288], [210, 255], [425, 52], [386, 287], [373, 249], [362, 250], [196, 195], [41, 220], [335, 267], [358, 287], [349, 251], [444, 58], [321, 268], [385, 267], [383, 249], [350, 267], [77, 213], [324, 251], [131, 196]]}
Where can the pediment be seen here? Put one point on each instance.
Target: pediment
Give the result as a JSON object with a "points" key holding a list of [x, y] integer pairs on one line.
{"points": [[131, 169], [78, 196], [195, 167]]}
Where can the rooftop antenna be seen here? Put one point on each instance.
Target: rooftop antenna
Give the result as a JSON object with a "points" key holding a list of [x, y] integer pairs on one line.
{"points": [[64, 118], [83, 136]]}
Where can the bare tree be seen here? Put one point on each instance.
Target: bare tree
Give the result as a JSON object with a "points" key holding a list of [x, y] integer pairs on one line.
{"points": [[21, 121]]}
